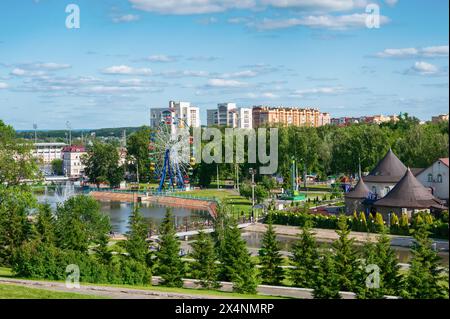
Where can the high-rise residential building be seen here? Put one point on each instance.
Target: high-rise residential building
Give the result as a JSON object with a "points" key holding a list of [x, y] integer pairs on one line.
{"points": [[229, 115], [263, 115], [182, 110]]}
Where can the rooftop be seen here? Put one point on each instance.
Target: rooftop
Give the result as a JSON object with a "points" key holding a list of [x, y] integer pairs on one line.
{"points": [[389, 170]]}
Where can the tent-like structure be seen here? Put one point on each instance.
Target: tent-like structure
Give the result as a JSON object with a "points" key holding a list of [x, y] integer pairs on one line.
{"points": [[410, 194], [354, 200], [389, 170]]}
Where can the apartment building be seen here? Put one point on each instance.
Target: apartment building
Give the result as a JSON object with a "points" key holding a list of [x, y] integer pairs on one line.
{"points": [[72, 165], [229, 115], [439, 118], [47, 152], [263, 115], [182, 110]]}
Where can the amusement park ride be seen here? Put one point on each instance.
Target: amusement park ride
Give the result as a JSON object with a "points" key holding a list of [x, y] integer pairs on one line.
{"points": [[167, 163], [293, 194]]}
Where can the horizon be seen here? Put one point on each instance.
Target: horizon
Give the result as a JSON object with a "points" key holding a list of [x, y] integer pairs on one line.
{"points": [[129, 56]]}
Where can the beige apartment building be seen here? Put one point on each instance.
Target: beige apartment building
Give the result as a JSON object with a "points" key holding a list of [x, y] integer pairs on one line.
{"points": [[286, 116], [72, 164]]}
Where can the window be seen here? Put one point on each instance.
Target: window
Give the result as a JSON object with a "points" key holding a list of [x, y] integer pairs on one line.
{"points": [[439, 178], [430, 178], [374, 189], [387, 189]]}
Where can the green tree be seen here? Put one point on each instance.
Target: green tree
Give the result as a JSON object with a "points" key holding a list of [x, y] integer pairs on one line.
{"points": [[205, 267], [102, 165], [425, 277], [138, 147], [45, 224], [15, 227], [16, 158], [270, 257], [57, 166], [304, 258], [136, 244], [79, 223], [326, 281], [170, 266], [237, 264], [346, 258]]}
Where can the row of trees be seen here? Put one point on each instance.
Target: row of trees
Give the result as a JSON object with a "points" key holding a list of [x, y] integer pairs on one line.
{"points": [[372, 273]]}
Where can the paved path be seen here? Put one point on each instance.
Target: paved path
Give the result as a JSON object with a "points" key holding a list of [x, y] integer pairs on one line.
{"points": [[330, 235]]}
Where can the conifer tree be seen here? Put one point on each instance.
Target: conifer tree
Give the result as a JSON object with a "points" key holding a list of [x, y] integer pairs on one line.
{"points": [[362, 222], [45, 224], [304, 258], [346, 258], [170, 266], [355, 222], [205, 267], [270, 256], [379, 223], [424, 280], [404, 225], [236, 262], [136, 244], [326, 281], [395, 224]]}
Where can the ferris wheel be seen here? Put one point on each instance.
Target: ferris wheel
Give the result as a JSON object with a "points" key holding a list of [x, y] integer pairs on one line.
{"points": [[168, 161]]}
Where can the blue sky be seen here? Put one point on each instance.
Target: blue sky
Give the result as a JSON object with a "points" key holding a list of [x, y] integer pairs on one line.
{"points": [[130, 55]]}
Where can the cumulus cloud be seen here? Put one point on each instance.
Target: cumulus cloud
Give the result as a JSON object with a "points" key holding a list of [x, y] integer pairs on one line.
{"points": [[223, 83], [425, 68], [181, 7], [391, 3], [125, 18], [426, 52], [356, 20], [160, 58], [317, 5], [3, 85], [126, 70]]}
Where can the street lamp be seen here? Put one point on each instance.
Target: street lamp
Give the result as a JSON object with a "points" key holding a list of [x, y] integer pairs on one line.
{"points": [[253, 172]]}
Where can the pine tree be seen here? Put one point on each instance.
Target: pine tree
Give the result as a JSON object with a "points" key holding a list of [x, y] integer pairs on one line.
{"points": [[395, 224], [221, 223], [326, 281], [205, 267], [236, 262], [136, 244], [355, 222], [270, 257], [346, 258], [425, 275], [170, 266], [363, 222], [404, 225], [379, 223], [45, 224], [304, 258]]}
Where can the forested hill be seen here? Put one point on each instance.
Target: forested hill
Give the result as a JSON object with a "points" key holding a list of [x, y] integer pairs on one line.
{"points": [[51, 135]]}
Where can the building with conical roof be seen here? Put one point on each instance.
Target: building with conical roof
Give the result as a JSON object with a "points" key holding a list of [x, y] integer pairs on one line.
{"points": [[354, 200], [408, 195], [388, 172]]}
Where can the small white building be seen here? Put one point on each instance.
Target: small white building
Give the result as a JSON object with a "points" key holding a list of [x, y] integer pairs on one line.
{"points": [[72, 165], [436, 177]]}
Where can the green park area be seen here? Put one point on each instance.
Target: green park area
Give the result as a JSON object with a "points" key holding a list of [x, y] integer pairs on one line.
{"points": [[8, 291]]}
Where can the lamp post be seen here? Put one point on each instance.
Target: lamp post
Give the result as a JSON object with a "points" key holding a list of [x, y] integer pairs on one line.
{"points": [[252, 172]]}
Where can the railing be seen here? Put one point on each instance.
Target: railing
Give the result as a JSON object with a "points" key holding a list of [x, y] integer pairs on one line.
{"points": [[152, 193]]}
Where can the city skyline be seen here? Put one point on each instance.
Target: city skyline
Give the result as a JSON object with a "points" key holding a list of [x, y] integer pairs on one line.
{"points": [[130, 56]]}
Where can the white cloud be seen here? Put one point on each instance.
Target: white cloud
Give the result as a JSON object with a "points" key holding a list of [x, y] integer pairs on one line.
{"points": [[160, 58], [222, 83], [3, 85], [18, 72], [423, 68], [317, 5], [239, 74], [126, 70], [183, 73], [319, 91], [356, 20], [391, 3], [181, 7], [125, 18], [52, 66], [427, 52]]}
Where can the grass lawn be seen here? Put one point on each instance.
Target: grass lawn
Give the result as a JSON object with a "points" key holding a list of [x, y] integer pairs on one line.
{"points": [[5, 272], [237, 203], [8, 291]]}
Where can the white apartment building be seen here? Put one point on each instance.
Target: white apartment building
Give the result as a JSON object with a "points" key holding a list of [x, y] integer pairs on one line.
{"points": [[48, 152], [72, 165], [229, 115], [183, 110]]}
